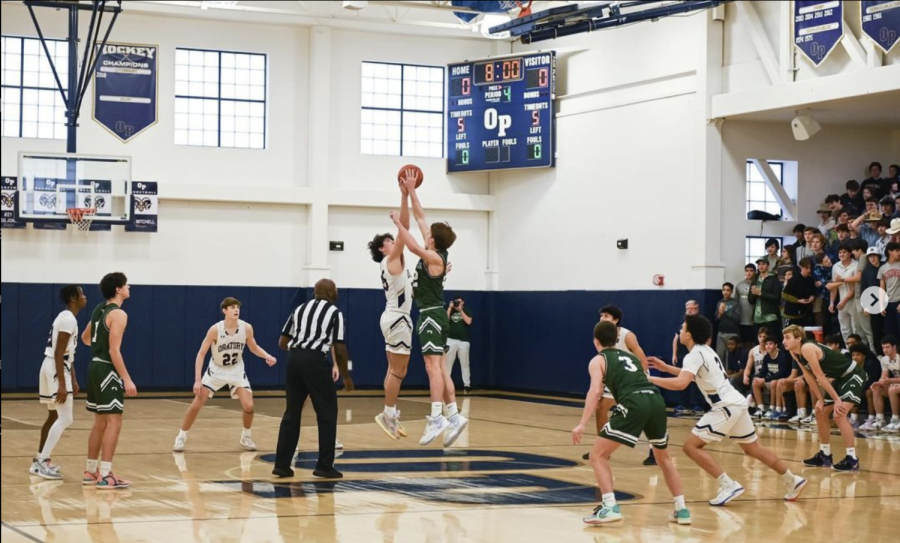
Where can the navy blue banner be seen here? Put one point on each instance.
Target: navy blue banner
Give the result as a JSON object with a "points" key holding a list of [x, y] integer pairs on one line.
{"points": [[8, 189], [144, 207], [881, 22], [125, 89], [483, 7], [500, 113], [818, 27]]}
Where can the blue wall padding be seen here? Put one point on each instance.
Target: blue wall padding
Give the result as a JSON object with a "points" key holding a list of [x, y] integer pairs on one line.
{"points": [[538, 341]]}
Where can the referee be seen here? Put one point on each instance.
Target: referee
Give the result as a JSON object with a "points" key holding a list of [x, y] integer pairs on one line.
{"points": [[311, 330]]}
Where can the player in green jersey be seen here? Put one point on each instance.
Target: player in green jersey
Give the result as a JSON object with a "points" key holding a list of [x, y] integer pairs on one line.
{"points": [[843, 380], [433, 324], [640, 408], [108, 381]]}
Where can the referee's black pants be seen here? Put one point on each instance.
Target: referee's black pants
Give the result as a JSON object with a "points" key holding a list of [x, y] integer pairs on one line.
{"points": [[308, 374]]}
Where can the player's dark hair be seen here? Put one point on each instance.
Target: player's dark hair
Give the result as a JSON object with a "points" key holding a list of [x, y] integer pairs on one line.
{"points": [[699, 328], [859, 244], [798, 229], [806, 262], [69, 293], [376, 244], [613, 312], [729, 285], [853, 184], [606, 333], [228, 302], [832, 338], [889, 339], [832, 198], [860, 348], [443, 236], [750, 267], [111, 282]]}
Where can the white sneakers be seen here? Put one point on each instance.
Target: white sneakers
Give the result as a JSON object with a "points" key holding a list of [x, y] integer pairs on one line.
{"points": [[727, 493], [434, 426], [795, 489], [458, 423], [388, 424], [247, 443], [180, 441], [338, 445], [45, 469], [892, 428]]}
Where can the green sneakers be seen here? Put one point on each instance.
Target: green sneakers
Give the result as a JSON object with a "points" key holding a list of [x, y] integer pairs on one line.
{"points": [[682, 516], [604, 515]]}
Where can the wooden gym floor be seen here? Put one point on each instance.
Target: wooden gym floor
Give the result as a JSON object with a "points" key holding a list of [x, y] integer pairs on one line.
{"points": [[513, 476]]}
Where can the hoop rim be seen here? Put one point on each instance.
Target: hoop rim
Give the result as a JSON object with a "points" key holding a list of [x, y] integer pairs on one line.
{"points": [[83, 210]]}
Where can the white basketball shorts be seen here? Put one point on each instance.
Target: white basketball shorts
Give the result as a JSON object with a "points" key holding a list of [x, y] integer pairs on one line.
{"points": [[396, 328], [233, 377], [726, 421], [49, 383]]}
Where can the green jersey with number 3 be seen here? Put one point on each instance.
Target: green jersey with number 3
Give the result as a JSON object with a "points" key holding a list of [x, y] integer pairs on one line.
{"points": [[624, 374], [100, 332], [428, 291]]}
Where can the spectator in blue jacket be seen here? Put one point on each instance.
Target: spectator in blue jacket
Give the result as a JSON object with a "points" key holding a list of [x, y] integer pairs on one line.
{"points": [[776, 365]]}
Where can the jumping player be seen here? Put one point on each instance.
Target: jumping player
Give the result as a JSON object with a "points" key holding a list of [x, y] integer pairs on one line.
{"points": [[729, 416], [108, 381], [640, 408], [433, 325], [839, 376], [58, 384], [396, 324], [227, 339]]}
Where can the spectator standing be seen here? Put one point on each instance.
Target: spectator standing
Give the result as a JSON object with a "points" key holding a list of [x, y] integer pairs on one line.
{"points": [[889, 276], [869, 279], [458, 340], [852, 198], [800, 295], [822, 275], [800, 241], [848, 312], [826, 222], [843, 236], [728, 315], [765, 295], [743, 293], [805, 250]]}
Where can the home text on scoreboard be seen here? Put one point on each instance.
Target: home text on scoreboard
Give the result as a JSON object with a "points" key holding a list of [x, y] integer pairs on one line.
{"points": [[501, 113]]}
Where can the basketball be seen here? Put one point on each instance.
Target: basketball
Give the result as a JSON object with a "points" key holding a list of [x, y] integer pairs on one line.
{"points": [[418, 171]]}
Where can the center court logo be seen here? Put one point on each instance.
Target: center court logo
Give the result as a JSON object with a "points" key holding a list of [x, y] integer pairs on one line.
{"points": [[470, 487]]}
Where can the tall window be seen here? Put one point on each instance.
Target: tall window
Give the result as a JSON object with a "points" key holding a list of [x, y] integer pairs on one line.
{"points": [[32, 106], [220, 99], [402, 110], [759, 195]]}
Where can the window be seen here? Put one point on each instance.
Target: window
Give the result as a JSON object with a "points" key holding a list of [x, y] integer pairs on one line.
{"points": [[32, 105], [755, 248], [759, 195], [402, 110], [220, 99]]}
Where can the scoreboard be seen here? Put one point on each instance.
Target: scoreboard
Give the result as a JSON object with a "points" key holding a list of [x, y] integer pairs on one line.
{"points": [[501, 113]]}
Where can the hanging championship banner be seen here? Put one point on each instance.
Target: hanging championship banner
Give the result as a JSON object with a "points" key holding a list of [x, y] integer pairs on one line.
{"points": [[125, 86], [881, 22], [483, 7], [8, 208], [818, 27], [46, 202], [145, 207]]}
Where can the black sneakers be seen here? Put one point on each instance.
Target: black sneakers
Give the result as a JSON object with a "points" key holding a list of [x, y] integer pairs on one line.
{"points": [[847, 464], [283, 472], [328, 474], [650, 460], [820, 460]]}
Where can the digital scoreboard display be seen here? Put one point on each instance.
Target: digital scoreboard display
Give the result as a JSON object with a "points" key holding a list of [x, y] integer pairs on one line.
{"points": [[501, 113]]}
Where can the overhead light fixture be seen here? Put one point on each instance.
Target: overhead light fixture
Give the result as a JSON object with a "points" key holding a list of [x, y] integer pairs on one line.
{"points": [[217, 5], [355, 6], [804, 126]]}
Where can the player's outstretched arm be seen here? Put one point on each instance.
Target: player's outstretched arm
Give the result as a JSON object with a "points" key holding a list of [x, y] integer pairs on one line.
{"points": [[117, 321], [395, 259], [256, 349], [597, 369], [418, 211], [430, 257]]}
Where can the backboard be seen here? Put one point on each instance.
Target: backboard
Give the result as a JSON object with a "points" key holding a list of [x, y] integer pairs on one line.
{"points": [[51, 183]]}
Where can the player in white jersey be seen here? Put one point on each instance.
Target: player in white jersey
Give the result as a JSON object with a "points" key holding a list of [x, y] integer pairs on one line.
{"points": [[58, 384], [625, 341], [227, 339], [396, 324], [729, 416]]}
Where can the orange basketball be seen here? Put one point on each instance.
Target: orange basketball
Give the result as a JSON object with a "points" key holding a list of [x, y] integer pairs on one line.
{"points": [[401, 175]]}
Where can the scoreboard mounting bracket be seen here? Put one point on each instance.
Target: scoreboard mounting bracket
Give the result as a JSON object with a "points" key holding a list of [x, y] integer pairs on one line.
{"points": [[501, 113]]}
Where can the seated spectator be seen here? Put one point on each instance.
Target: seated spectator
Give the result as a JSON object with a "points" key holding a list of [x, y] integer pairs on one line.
{"points": [[776, 365], [800, 240], [735, 357], [799, 295], [871, 204], [888, 207], [754, 367], [728, 316], [897, 200], [872, 227], [843, 236], [875, 372], [852, 198], [833, 201], [826, 221]]}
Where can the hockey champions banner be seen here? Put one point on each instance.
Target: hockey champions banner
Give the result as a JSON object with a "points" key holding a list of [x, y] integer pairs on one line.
{"points": [[125, 89]]}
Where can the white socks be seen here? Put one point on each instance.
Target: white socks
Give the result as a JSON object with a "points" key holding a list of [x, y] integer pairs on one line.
{"points": [[725, 480], [91, 466], [851, 452], [788, 478], [609, 500], [390, 411], [105, 468], [436, 408], [679, 503], [245, 432], [452, 410], [802, 412], [879, 418], [182, 433], [825, 448], [854, 416]]}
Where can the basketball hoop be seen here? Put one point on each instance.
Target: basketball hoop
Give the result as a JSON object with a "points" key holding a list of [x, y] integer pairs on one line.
{"points": [[524, 11], [82, 217]]}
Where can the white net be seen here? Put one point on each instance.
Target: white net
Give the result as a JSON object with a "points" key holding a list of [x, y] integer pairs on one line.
{"points": [[82, 217]]}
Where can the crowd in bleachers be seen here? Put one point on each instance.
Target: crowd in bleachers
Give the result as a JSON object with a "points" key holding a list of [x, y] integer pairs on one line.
{"points": [[818, 282]]}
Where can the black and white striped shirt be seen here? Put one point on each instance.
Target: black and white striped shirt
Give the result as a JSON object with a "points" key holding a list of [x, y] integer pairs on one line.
{"points": [[315, 325]]}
